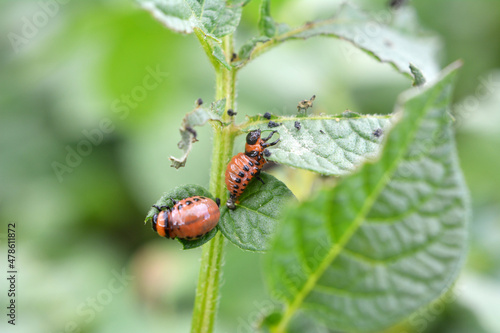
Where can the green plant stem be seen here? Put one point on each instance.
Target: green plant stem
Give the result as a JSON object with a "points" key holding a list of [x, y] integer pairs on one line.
{"points": [[207, 292]]}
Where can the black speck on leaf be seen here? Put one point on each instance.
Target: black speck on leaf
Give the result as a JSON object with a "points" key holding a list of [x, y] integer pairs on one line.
{"points": [[267, 115], [377, 133], [297, 125], [273, 124]]}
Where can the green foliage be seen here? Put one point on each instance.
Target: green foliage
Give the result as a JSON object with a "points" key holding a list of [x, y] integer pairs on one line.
{"points": [[179, 193], [378, 39], [387, 239], [255, 219], [210, 20], [214, 17], [218, 107], [267, 26], [331, 145]]}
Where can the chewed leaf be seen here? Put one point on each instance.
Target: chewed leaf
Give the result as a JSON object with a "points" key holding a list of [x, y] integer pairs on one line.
{"points": [[251, 225], [380, 40], [327, 144], [179, 193], [386, 240], [198, 117]]}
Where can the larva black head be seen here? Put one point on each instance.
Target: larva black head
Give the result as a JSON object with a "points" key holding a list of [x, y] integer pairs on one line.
{"points": [[253, 137], [153, 223]]}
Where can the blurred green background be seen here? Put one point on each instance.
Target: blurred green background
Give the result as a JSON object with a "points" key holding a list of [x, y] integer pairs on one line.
{"points": [[76, 233]]}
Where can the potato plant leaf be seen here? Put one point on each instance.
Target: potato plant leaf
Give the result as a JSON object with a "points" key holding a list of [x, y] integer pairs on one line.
{"points": [[219, 54], [210, 20], [198, 117], [386, 240], [380, 40], [267, 26], [179, 193], [332, 145], [254, 221]]}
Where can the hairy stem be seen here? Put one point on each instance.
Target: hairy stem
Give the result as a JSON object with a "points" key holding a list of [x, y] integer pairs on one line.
{"points": [[207, 292]]}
